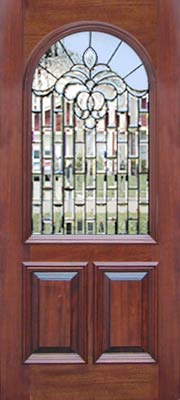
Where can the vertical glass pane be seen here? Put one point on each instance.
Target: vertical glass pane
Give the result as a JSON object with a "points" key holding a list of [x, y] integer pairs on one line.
{"points": [[47, 211], [122, 219], [101, 219], [36, 219], [79, 220]]}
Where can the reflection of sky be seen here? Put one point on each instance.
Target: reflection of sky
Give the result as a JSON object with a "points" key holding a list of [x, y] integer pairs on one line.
{"points": [[126, 276], [124, 61]]}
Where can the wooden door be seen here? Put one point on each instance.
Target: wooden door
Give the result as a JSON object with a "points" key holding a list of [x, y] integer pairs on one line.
{"points": [[83, 318]]}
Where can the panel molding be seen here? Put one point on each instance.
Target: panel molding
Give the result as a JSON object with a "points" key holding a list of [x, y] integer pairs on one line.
{"points": [[126, 329], [54, 358], [54, 313], [106, 239], [125, 358]]}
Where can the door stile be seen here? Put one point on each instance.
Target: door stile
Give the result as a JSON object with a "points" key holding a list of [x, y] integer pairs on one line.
{"points": [[169, 141], [13, 377]]}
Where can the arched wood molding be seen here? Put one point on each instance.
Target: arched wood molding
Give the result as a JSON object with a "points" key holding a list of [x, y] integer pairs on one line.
{"points": [[69, 29], [32, 62]]}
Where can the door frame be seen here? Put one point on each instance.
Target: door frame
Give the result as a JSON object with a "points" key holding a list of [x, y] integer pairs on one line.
{"points": [[15, 378]]}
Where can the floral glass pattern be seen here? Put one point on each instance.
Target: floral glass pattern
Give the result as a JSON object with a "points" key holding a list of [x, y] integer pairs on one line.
{"points": [[90, 130]]}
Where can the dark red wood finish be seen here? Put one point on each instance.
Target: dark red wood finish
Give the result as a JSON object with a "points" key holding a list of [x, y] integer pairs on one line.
{"points": [[55, 312], [89, 335], [126, 312]]}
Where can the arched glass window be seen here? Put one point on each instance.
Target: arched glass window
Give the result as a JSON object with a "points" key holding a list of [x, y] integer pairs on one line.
{"points": [[90, 130]]}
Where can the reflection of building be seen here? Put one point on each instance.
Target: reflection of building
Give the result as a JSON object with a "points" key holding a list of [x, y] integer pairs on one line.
{"points": [[136, 134], [89, 151]]}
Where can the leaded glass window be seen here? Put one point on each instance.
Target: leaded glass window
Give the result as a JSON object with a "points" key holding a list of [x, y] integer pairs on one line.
{"points": [[90, 135]]}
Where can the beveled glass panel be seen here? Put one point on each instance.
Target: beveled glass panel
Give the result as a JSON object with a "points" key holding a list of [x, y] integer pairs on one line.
{"points": [[144, 189], [79, 220], [101, 219], [122, 219], [100, 188], [123, 188], [90, 204], [47, 211], [143, 219], [133, 111], [58, 218], [36, 218], [90, 138]]}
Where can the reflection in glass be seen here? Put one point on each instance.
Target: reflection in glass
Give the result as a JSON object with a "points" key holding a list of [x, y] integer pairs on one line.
{"points": [[126, 276], [90, 138]]}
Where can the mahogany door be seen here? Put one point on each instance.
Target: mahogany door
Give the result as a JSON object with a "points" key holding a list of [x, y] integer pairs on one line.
{"points": [[93, 316]]}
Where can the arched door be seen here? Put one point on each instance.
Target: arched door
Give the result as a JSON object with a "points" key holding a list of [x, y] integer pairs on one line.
{"points": [[90, 200]]}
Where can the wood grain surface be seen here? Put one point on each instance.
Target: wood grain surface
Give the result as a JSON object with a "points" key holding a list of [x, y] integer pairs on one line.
{"points": [[91, 303]]}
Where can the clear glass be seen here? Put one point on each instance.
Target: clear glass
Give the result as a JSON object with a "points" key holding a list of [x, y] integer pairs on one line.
{"points": [[90, 138]]}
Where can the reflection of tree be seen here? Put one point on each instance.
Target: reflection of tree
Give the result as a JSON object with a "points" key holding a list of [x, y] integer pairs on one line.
{"points": [[78, 162], [100, 163], [144, 166], [54, 63], [57, 61]]}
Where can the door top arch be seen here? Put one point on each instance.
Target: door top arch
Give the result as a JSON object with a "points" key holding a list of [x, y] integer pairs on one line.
{"points": [[96, 26]]}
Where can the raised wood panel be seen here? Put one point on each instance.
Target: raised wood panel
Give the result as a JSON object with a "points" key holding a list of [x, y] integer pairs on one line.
{"points": [[55, 314], [55, 309], [126, 312]]}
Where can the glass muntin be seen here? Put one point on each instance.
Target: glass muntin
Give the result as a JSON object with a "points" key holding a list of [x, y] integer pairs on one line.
{"points": [[90, 138]]}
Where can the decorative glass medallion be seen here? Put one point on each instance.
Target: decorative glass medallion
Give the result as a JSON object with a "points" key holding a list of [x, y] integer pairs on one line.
{"points": [[90, 130]]}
